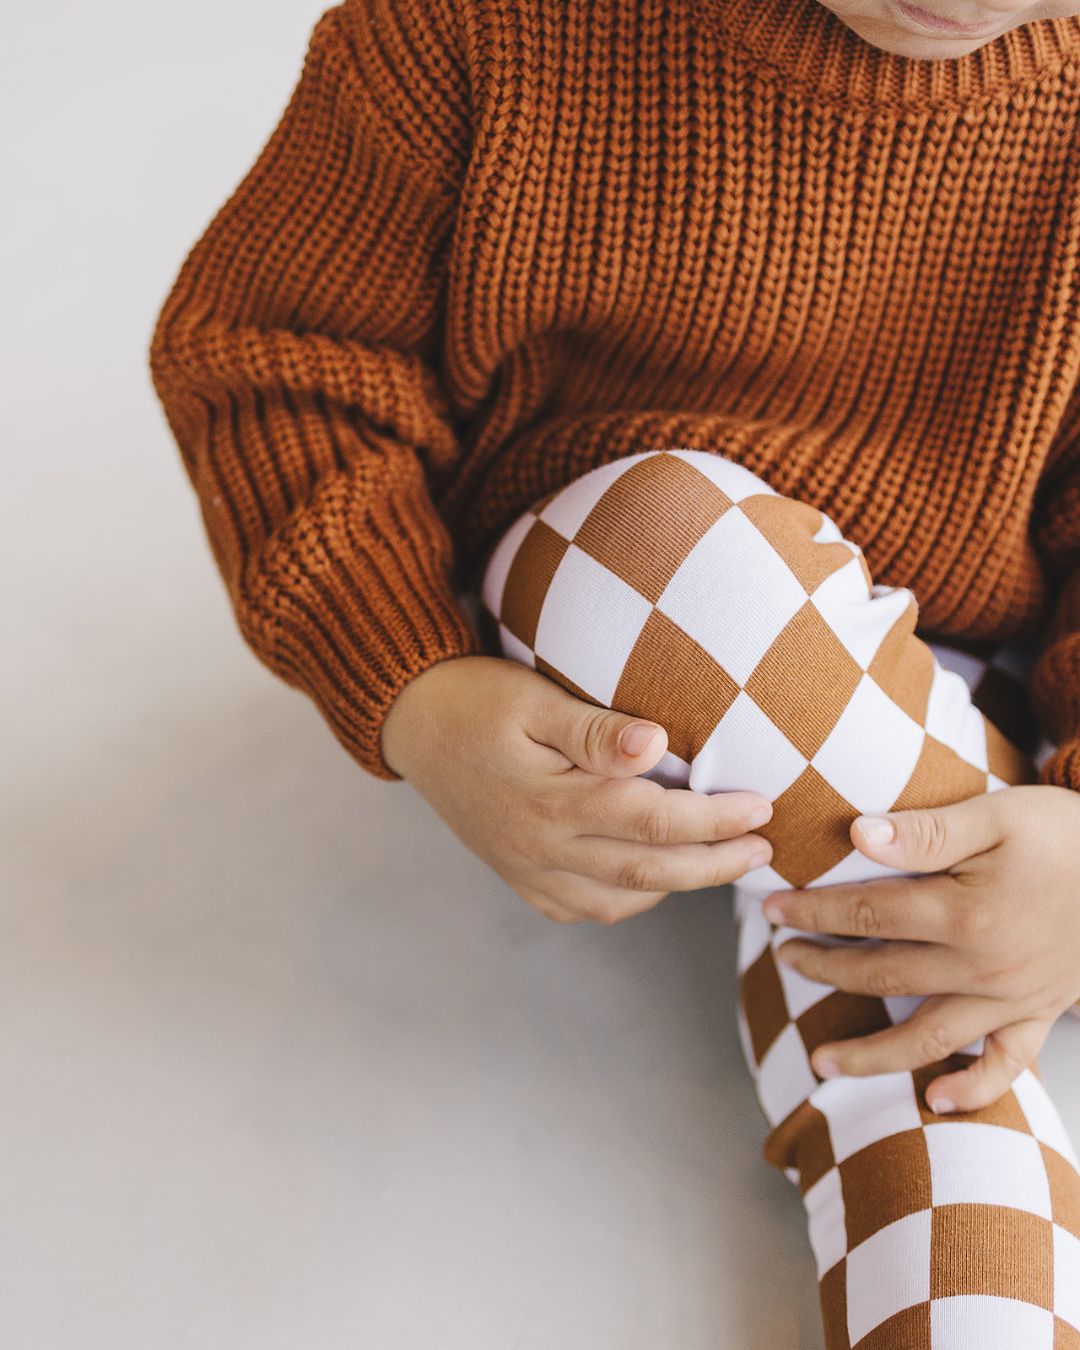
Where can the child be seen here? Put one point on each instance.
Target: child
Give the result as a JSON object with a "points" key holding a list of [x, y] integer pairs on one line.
{"points": [[493, 249]]}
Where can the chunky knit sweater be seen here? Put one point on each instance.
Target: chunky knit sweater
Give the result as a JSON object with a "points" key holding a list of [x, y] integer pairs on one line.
{"points": [[494, 243]]}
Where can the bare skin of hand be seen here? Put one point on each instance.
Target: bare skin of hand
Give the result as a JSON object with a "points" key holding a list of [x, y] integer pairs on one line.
{"points": [[539, 784], [990, 935]]}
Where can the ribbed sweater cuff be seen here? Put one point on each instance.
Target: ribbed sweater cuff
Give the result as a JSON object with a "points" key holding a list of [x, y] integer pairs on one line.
{"points": [[355, 602]]}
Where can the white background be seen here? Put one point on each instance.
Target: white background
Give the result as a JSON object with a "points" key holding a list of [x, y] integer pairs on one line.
{"points": [[281, 1063]]}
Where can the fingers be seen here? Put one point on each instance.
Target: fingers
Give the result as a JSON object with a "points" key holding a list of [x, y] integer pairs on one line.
{"points": [[597, 739], [931, 840], [891, 970], [1006, 1054], [918, 908], [937, 1028], [642, 811], [667, 867]]}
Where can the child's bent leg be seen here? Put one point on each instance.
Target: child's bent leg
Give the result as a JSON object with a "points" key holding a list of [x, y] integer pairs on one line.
{"points": [[677, 586]]}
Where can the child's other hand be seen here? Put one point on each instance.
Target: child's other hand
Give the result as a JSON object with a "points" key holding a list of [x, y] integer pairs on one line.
{"points": [[993, 936], [534, 781]]}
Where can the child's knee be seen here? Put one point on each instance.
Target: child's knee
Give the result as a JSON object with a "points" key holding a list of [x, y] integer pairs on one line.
{"points": [[671, 584]]}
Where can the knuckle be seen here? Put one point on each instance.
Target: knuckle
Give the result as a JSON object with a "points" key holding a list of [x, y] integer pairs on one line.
{"points": [[656, 825], [601, 730], [928, 834], [864, 918], [638, 875], [884, 984], [934, 1044]]}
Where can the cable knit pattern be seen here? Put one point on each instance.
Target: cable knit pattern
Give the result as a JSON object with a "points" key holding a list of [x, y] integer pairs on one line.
{"points": [[491, 245]]}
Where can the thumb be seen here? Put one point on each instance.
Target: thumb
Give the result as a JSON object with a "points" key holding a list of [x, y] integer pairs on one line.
{"points": [[607, 742], [930, 840]]}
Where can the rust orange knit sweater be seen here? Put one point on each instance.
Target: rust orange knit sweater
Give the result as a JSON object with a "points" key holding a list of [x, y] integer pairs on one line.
{"points": [[493, 243]]}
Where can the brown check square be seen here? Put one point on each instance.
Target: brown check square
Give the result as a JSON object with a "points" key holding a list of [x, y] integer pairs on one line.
{"points": [[1066, 1337], [763, 1002], [649, 519], [671, 679], [883, 1182], [805, 680], [840, 1016], [1064, 1193], [910, 1328], [790, 526], [1006, 1111], [940, 777], [994, 1250], [809, 829], [528, 578], [903, 666]]}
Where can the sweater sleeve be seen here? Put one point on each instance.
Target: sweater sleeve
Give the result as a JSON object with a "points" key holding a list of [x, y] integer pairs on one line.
{"points": [[1055, 684], [295, 358]]}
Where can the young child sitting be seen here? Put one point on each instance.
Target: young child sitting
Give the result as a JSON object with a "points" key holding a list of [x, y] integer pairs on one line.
{"points": [[653, 431]]}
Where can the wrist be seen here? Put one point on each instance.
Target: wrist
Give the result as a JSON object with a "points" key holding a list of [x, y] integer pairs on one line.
{"points": [[407, 723]]}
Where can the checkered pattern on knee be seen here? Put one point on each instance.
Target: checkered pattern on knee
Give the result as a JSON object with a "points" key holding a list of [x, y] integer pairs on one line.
{"points": [[677, 586]]}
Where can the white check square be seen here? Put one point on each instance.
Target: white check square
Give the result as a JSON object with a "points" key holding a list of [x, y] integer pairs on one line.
{"points": [[983, 1322], [514, 649], [589, 623], [972, 1163], [888, 1272], [824, 1203], [1066, 1276], [732, 479], [871, 752], [785, 1078], [670, 770], [755, 931], [860, 622], [568, 509], [733, 594], [954, 720], [493, 582], [1042, 1115], [746, 751], [860, 1111]]}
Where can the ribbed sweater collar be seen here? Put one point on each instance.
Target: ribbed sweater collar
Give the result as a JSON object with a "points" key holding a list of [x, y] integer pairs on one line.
{"points": [[809, 46]]}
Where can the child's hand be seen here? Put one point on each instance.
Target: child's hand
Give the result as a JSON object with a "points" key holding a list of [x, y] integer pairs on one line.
{"points": [[993, 934], [533, 780]]}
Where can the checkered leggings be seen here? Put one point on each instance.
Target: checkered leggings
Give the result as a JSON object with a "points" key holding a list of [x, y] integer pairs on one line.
{"points": [[677, 586]]}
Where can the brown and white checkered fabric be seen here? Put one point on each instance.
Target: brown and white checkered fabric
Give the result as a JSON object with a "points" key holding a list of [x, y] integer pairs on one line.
{"points": [[677, 586]]}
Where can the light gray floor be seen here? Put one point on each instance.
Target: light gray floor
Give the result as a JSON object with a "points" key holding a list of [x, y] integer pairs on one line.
{"points": [[281, 1063]]}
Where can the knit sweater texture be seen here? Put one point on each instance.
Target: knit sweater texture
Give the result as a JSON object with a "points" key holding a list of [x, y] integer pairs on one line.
{"points": [[492, 244]]}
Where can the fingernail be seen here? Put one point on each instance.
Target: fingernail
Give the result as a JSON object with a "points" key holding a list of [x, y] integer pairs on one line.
{"points": [[877, 830], [760, 816], [759, 859], [826, 1068], [635, 738], [942, 1106], [773, 912]]}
